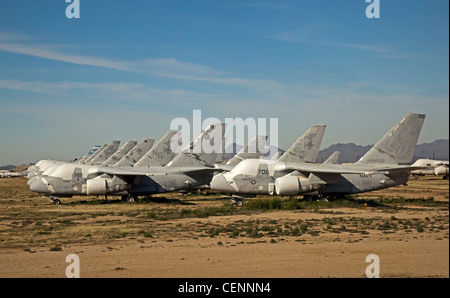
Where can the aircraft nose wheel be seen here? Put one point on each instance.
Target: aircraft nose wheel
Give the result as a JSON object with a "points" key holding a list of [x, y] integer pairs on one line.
{"points": [[237, 201], [129, 199], [54, 201]]}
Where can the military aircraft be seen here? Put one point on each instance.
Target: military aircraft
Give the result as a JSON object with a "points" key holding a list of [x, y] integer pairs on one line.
{"points": [[190, 167], [65, 178], [385, 165], [257, 176], [431, 167], [46, 168], [100, 153]]}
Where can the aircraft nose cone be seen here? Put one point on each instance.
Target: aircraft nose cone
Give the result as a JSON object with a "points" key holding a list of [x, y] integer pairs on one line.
{"points": [[30, 175], [32, 179], [221, 184], [39, 186]]}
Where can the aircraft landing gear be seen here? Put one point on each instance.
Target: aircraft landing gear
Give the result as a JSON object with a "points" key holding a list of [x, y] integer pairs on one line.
{"points": [[237, 201], [129, 198], [55, 201], [317, 198]]}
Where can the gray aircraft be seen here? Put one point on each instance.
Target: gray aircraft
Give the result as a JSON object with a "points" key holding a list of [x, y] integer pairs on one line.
{"points": [[66, 179], [190, 167], [386, 164], [257, 176], [46, 168], [97, 155], [35, 169]]}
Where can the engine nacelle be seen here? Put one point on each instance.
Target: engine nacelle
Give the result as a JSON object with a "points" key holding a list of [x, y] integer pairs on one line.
{"points": [[103, 186], [441, 170], [98, 186], [290, 185], [287, 185]]}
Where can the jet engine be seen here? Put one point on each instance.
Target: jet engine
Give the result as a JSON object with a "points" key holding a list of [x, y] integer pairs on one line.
{"points": [[441, 170], [287, 185], [103, 186], [293, 185]]}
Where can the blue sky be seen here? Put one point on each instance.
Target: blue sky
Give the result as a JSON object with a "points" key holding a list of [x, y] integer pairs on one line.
{"points": [[125, 69]]}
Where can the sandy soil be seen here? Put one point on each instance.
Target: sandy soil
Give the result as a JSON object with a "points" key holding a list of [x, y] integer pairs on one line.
{"points": [[335, 245]]}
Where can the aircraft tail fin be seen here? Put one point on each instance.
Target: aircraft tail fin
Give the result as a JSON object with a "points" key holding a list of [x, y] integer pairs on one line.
{"points": [[120, 153], [106, 152], [95, 153], [333, 159], [252, 150], [204, 150], [398, 144], [136, 153], [307, 146], [160, 154], [88, 155]]}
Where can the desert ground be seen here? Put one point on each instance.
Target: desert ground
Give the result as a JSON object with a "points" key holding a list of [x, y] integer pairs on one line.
{"points": [[203, 235]]}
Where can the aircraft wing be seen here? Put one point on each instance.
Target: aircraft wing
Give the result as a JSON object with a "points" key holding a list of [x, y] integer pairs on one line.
{"points": [[121, 171], [323, 169], [399, 169], [198, 170], [344, 169]]}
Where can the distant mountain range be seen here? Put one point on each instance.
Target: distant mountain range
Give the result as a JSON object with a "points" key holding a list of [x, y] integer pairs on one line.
{"points": [[438, 149], [7, 168], [12, 168], [351, 152]]}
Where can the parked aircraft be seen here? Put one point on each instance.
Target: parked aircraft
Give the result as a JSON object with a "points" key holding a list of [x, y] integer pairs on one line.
{"points": [[257, 176], [190, 167], [99, 153], [46, 168], [8, 174], [431, 167], [385, 165], [65, 179]]}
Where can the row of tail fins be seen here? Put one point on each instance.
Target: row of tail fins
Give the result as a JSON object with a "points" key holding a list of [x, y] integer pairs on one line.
{"points": [[395, 147]]}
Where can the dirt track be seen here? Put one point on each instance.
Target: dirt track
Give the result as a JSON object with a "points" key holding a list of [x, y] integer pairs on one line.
{"points": [[146, 240]]}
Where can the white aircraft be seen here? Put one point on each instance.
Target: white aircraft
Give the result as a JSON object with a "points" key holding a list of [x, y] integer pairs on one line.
{"points": [[431, 167]]}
